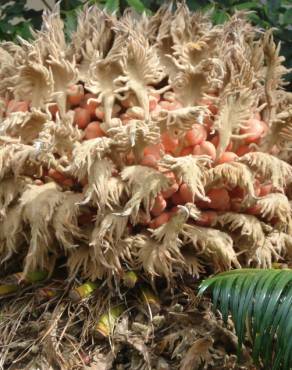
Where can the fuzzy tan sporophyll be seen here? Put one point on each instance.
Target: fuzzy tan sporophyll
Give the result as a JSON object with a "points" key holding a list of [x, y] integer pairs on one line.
{"points": [[159, 144]]}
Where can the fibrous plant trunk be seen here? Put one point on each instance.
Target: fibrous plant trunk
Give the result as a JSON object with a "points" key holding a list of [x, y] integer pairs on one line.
{"points": [[148, 151]]}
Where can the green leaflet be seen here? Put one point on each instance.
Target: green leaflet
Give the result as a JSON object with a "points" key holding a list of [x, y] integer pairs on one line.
{"points": [[112, 5], [262, 300], [138, 6]]}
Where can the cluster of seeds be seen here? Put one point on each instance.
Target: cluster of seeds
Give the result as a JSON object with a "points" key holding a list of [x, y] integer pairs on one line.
{"points": [[148, 143]]}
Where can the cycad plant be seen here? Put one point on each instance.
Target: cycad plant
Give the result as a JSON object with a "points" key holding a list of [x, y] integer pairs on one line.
{"points": [[154, 145], [259, 302]]}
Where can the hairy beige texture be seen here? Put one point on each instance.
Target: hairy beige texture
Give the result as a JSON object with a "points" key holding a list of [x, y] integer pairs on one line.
{"points": [[60, 135], [25, 125], [250, 236], [264, 255], [11, 233], [273, 73], [269, 168], [133, 59], [249, 226], [157, 259], [191, 169], [181, 119], [89, 161], [212, 244], [276, 205], [106, 244], [140, 66], [35, 81], [64, 220], [10, 190], [144, 183], [169, 232], [85, 155], [234, 108], [48, 197], [81, 260], [116, 193], [232, 174], [135, 136], [92, 34], [5, 159]]}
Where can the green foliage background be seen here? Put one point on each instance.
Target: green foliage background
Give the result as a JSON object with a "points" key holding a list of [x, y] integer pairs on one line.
{"points": [[16, 18]]}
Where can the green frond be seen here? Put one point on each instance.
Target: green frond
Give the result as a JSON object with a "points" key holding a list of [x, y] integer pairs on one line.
{"points": [[260, 300]]}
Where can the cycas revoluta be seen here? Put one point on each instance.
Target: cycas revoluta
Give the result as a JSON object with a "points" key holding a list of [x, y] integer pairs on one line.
{"points": [[145, 144]]}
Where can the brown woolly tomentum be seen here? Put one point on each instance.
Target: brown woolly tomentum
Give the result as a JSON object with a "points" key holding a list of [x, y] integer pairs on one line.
{"points": [[159, 144]]}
